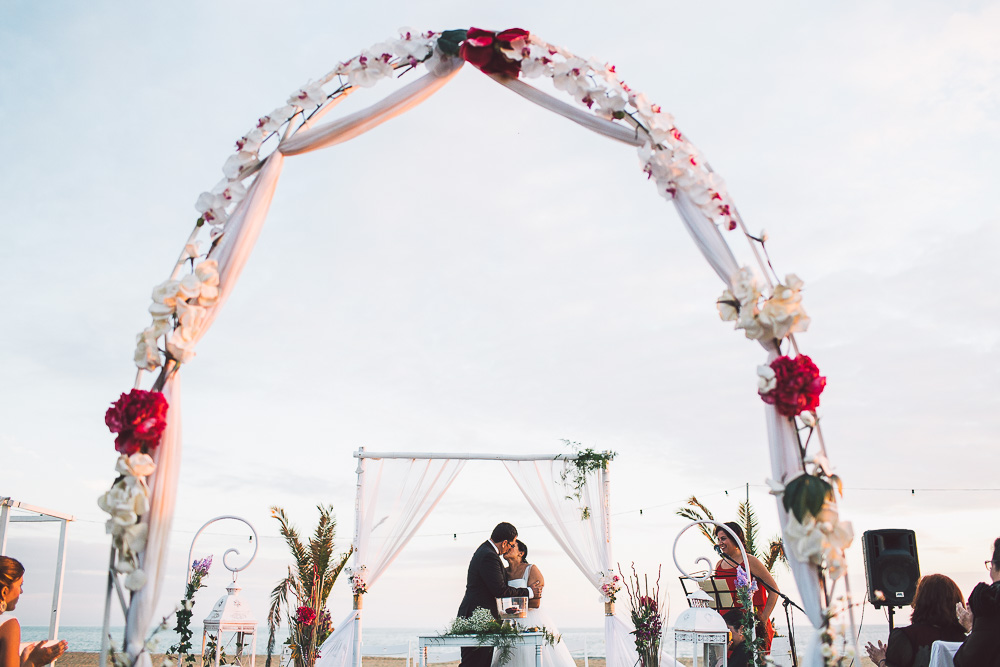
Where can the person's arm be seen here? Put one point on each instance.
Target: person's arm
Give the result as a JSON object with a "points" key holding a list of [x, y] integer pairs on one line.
{"points": [[536, 581], [496, 581], [758, 570], [10, 644]]}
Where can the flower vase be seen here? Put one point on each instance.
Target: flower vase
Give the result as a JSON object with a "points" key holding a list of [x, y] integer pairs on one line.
{"points": [[358, 603], [650, 657], [609, 608]]}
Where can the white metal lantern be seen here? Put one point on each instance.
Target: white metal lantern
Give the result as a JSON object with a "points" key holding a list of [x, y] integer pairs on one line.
{"points": [[703, 628], [232, 616]]}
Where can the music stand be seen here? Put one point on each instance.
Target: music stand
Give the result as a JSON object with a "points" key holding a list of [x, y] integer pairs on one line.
{"points": [[719, 589]]}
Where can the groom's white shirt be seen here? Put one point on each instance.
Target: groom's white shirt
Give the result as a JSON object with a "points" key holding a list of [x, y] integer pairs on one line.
{"points": [[531, 593]]}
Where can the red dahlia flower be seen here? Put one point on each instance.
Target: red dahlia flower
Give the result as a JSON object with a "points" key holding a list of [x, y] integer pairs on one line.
{"points": [[798, 385], [138, 418], [305, 615], [482, 49]]}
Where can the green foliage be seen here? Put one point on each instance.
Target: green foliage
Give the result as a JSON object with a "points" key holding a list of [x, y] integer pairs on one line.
{"points": [[449, 41], [804, 496], [574, 477], [185, 613], [310, 579], [489, 631], [755, 648]]}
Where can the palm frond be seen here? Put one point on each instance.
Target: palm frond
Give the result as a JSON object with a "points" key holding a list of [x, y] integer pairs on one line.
{"points": [[775, 553], [748, 520], [331, 576], [300, 555], [700, 513], [321, 544]]}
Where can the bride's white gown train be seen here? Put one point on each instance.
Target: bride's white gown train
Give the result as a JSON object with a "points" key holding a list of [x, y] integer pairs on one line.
{"points": [[524, 656]]}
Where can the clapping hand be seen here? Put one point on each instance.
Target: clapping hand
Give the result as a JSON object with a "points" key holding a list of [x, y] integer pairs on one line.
{"points": [[964, 616], [42, 653], [876, 654]]}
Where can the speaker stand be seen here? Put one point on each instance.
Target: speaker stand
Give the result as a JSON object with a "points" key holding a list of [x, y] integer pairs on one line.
{"points": [[890, 617]]}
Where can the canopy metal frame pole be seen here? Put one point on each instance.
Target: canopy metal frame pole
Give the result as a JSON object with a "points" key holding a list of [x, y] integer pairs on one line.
{"points": [[362, 454], [40, 515]]}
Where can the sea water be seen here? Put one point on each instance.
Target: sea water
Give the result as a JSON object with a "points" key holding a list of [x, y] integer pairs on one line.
{"points": [[397, 642]]}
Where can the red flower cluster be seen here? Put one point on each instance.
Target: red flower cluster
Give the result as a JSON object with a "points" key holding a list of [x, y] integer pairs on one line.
{"points": [[138, 418], [305, 615], [798, 385], [482, 49]]}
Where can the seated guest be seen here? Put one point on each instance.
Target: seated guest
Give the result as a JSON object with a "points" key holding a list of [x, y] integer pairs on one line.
{"points": [[933, 618], [12, 653], [982, 647], [738, 654]]}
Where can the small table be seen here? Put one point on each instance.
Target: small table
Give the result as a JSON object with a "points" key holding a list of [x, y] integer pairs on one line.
{"points": [[535, 639]]}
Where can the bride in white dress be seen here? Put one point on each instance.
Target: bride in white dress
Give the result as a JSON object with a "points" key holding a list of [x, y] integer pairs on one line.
{"points": [[522, 574]]}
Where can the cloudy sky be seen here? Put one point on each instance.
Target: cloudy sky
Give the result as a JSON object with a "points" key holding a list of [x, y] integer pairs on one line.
{"points": [[480, 275]]}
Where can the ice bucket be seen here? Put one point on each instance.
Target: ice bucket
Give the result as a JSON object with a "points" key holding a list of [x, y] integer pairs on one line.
{"points": [[512, 607]]}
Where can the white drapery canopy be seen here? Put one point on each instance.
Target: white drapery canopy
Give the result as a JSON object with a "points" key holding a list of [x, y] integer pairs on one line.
{"points": [[241, 234], [396, 493]]}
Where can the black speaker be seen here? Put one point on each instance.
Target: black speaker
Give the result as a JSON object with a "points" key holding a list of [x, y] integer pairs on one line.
{"points": [[891, 566]]}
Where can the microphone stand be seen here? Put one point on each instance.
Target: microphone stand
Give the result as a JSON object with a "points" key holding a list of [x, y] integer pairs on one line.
{"points": [[786, 602]]}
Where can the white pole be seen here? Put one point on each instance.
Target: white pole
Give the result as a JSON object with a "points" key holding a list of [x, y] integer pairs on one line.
{"points": [[586, 655], [4, 519], [60, 575], [357, 556]]}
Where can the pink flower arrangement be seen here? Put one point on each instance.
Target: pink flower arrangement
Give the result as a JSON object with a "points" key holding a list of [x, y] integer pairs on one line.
{"points": [[482, 49], [138, 418], [795, 387], [305, 615]]}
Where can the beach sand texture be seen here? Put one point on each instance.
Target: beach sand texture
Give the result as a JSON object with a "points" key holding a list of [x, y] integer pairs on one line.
{"points": [[91, 660]]}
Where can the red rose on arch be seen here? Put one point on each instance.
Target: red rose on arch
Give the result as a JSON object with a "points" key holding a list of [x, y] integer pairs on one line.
{"points": [[138, 418], [481, 48], [798, 385], [305, 615]]}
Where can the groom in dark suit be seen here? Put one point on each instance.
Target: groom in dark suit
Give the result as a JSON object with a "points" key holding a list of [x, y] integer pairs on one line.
{"points": [[485, 582]]}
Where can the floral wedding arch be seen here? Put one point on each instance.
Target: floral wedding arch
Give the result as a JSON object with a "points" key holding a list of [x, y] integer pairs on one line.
{"points": [[766, 308]]}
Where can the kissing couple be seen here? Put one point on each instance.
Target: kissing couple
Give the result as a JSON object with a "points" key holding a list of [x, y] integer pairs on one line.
{"points": [[488, 579]]}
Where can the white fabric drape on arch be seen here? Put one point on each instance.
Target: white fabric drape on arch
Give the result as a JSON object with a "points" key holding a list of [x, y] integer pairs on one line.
{"points": [[232, 253], [395, 498], [782, 441], [584, 536], [241, 233]]}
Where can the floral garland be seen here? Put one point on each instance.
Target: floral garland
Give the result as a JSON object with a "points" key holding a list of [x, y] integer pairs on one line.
{"points": [[138, 418], [745, 588], [609, 584], [576, 469], [184, 612], [359, 585], [180, 305], [489, 631]]}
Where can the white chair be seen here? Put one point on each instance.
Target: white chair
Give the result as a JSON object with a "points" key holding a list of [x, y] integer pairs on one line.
{"points": [[943, 653]]}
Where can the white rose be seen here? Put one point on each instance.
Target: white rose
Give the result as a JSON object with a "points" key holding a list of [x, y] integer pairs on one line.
{"points": [[766, 379], [147, 353], [124, 566], [166, 292], [191, 319], [208, 272], [135, 580], [180, 349], [135, 537], [141, 464], [728, 306], [190, 286], [209, 295], [161, 312], [744, 286]]}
